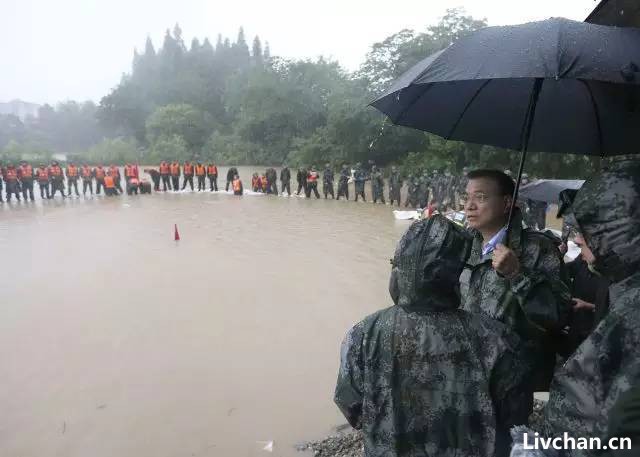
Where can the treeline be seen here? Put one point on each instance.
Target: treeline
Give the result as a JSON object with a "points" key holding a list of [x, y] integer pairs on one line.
{"points": [[235, 103]]}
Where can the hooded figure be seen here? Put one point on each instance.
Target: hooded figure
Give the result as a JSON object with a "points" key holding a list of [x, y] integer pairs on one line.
{"points": [[395, 185], [423, 377], [607, 364]]}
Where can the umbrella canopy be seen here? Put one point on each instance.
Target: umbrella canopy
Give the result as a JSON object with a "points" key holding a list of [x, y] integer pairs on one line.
{"points": [[548, 190], [552, 86]]}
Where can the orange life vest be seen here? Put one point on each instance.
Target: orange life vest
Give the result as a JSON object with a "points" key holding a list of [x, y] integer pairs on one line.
{"points": [[164, 169], [187, 169], [175, 169], [43, 174], [200, 170], [12, 174], [263, 182], [255, 182], [114, 172], [100, 173], [312, 177], [130, 171], [212, 170], [27, 171], [56, 171], [108, 182], [86, 172], [237, 185], [72, 171]]}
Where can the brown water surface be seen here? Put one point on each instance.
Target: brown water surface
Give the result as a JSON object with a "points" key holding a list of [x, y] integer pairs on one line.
{"points": [[115, 340]]}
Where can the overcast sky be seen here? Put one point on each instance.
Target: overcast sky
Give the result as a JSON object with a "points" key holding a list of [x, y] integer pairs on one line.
{"points": [[55, 50]]}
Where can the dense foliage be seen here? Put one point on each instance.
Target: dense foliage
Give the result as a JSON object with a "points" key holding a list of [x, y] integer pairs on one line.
{"points": [[235, 103]]}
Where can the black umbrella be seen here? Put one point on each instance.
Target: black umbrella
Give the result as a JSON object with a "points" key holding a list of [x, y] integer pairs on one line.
{"points": [[548, 190], [554, 86]]}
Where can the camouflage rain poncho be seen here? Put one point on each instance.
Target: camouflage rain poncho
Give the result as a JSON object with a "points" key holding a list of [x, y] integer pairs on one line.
{"points": [[424, 378], [607, 364]]}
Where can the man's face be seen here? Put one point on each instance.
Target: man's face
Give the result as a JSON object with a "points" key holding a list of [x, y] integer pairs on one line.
{"points": [[587, 254], [484, 206]]}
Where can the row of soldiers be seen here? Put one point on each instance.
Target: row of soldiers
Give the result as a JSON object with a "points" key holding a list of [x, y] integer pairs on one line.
{"points": [[423, 189], [443, 187], [20, 180]]}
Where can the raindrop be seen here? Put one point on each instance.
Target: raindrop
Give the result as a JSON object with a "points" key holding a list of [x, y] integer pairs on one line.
{"points": [[373, 142]]}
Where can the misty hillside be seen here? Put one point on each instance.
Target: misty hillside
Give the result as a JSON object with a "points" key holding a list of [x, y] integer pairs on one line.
{"points": [[19, 108]]}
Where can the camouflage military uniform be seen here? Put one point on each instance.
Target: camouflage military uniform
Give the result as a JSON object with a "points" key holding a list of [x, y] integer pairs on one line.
{"points": [[422, 194], [424, 378], [359, 176], [535, 304], [607, 364], [377, 185], [412, 190], [395, 185], [327, 182], [343, 183]]}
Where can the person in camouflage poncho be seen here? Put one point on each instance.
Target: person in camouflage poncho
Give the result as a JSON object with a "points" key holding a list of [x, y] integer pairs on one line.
{"points": [[424, 378], [377, 184], [607, 364], [395, 186], [517, 278]]}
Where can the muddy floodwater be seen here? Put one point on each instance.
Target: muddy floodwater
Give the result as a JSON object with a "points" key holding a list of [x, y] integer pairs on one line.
{"points": [[115, 340]]}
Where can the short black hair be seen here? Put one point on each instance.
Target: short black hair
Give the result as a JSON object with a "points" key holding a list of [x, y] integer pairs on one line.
{"points": [[506, 185]]}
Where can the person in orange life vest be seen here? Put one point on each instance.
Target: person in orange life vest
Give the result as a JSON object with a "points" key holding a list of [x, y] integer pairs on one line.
{"points": [[174, 169], [164, 175], [237, 185], [72, 177], [114, 172], [263, 183], [12, 182], [187, 171], [212, 173], [100, 173], [256, 184], [110, 188], [25, 173], [201, 173], [42, 174], [57, 179], [132, 185], [87, 179], [130, 172], [312, 182]]}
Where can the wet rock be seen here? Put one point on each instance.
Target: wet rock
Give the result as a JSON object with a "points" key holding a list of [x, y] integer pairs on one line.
{"points": [[347, 443]]}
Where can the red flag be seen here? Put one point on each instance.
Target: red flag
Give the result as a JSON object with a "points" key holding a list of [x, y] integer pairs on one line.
{"points": [[176, 235]]}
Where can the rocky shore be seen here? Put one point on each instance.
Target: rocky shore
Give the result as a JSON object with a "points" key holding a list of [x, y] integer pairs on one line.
{"points": [[347, 442]]}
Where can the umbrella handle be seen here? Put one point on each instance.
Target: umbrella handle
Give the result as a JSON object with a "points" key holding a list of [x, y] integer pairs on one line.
{"points": [[526, 136]]}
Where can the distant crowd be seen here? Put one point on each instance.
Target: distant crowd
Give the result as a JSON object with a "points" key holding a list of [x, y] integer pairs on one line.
{"points": [[433, 190]]}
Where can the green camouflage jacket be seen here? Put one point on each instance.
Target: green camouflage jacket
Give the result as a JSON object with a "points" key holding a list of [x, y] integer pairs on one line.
{"points": [[607, 364], [423, 377], [537, 302]]}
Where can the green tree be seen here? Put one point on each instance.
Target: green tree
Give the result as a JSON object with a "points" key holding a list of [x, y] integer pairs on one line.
{"points": [[256, 52], [168, 147], [183, 120], [113, 151]]}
